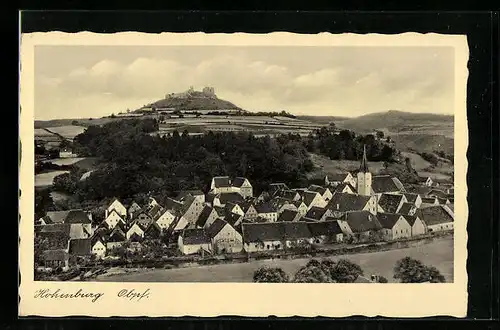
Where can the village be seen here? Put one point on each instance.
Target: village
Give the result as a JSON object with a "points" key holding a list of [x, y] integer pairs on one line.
{"points": [[230, 219]]}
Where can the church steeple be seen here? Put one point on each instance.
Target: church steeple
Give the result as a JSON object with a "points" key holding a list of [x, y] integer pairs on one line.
{"points": [[364, 162]]}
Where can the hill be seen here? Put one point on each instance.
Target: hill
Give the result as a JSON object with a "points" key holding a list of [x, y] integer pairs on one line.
{"points": [[423, 143], [401, 123]]}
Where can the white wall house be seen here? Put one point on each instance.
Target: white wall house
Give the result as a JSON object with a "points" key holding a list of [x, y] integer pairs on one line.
{"points": [[118, 207], [113, 218]]}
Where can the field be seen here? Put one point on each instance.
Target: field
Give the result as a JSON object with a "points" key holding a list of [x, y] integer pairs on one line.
{"points": [[438, 253], [69, 131], [46, 179]]}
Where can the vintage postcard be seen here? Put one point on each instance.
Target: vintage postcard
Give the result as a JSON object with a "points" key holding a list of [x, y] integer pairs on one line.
{"points": [[238, 174]]}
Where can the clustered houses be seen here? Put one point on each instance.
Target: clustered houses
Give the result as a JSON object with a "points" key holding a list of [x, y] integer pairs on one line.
{"points": [[229, 219]]}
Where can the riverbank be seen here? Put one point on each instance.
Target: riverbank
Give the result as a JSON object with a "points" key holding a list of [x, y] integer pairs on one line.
{"points": [[438, 253]]}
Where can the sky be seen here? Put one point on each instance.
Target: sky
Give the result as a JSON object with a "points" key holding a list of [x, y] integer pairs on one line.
{"points": [[95, 81]]}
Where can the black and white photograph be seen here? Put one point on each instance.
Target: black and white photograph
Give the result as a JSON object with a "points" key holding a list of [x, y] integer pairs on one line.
{"points": [[220, 163]]}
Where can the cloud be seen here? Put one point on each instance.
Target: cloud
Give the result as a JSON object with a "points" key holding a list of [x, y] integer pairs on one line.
{"points": [[111, 85]]}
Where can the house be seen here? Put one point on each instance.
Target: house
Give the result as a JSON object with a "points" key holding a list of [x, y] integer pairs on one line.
{"points": [[391, 203], [134, 207], [55, 259], [296, 234], [336, 179], [362, 225], [312, 198], [345, 188], [414, 199], [394, 226], [221, 184], [87, 246], [191, 208], [53, 217], [192, 241], [116, 238], [437, 218], [113, 218], [301, 207], [243, 187], [267, 211], [118, 207], [165, 219], [429, 201], [198, 194], [281, 204], [262, 236], [135, 230], [275, 187], [154, 210], [248, 209], [224, 238], [152, 202], [78, 221], [142, 217], [222, 198], [417, 225], [234, 220], [66, 153], [318, 213], [386, 184], [289, 216], [427, 181], [342, 202], [207, 217], [290, 195], [325, 193], [408, 209], [153, 231], [234, 208], [326, 232]]}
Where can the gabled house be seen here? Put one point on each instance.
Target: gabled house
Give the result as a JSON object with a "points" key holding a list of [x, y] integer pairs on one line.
{"points": [[391, 203], [248, 209], [394, 226], [312, 198], [153, 231], [289, 216], [134, 207], [281, 204], [142, 217], [341, 203], [386, 184], [118, 207], [325, 193], [301, 207], [135, 230], [318, 213], [116, 238], [224, 238], [267, 211], [345, 188], [336, 179], [437, 218], [325, 232], [193, 241], [113, 218], [207, 217], [290, 195], [191, 209], [275, 187], [165, 219], [408, 209], [234, 208], [362, 225], [234, 220], [243, 187], [438, 193], [417, 225], [221, 184], [414, 199], [262, 236]]}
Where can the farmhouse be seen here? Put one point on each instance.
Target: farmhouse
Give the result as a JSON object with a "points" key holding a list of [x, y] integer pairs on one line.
{"points": [[248, 209], [132, 209], [362, 224], [437, 218], [417, 225], [207, 217], [243, 187], [386, 184], [349, 202], [193, 241], [391, 203], [267, 211], [325, 232], [281, 204], [414, 199], [394, 226], [262, 236], [296, 234], [301, 207], [225, 239], [113, 218], [118, 207]]}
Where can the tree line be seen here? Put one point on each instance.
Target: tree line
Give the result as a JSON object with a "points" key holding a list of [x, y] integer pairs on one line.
{"points": [[406, 270]]}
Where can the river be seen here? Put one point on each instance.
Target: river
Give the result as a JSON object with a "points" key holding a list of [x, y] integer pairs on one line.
{"points": [[438, 253]]}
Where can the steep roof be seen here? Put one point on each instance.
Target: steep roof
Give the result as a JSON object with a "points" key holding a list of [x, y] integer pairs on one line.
{"points": [[388, 220], [57, 216], [265, 208], [194, 236], [221, 181], [435, 215], [410, 219], [347, 202], [134, 207], [363, 167], [287, 194], [187, 202], [215, 227], [232, 218], [390, 202], [245, 205], [296, 230], [80, 247], [204, 215], [57, 235], [362, 221], [316, 212], [174, 206], [411, 197], [406, 208], [324, 228], [274, 187], [230, 197], [117, 235], [287, 215], [308, 197], [316, 188], [297, 203], [386, 183], [342, 186], [259, 232], [238, 182]]}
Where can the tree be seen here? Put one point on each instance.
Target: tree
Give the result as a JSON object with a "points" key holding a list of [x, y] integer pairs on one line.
{"points": [[270, 275], [312, 274], [345, 271], [409, 270], [382, 279], [380, 134]]}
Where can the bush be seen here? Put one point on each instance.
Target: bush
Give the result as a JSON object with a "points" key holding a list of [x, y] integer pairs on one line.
{"points": [[270, 275]]}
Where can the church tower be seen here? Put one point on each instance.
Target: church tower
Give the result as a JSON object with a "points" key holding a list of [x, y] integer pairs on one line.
{"points": [[364, 177]]}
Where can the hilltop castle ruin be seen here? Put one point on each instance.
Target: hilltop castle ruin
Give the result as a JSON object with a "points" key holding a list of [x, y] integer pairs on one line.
{"points": [[207, 92]]}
